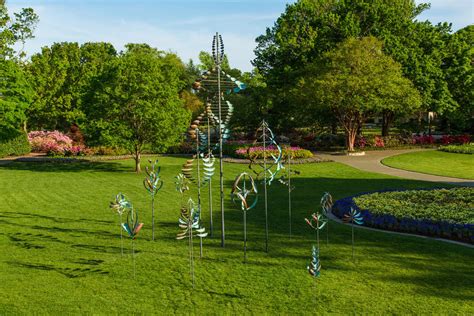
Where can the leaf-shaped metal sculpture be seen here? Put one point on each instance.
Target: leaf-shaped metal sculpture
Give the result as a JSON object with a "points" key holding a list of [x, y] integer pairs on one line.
{"points": [[326, 206], [181, 183], [314, 267], [189, 223], [353, 217], [247, 194], [269, 170], [317, 222], [153, 184], [214, 83], [120, 205], [132, 226]]}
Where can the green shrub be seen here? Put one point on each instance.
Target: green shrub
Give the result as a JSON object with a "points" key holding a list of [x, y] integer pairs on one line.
{"points": [[459, 149], [15, 146], [258, 153], [454, 205]]}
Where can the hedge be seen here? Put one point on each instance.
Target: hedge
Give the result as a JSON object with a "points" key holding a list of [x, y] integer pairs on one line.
{"points": [[16, 146]]}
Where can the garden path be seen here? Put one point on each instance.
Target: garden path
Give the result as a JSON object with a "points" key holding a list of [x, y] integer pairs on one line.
{"points": [[371, 162]]}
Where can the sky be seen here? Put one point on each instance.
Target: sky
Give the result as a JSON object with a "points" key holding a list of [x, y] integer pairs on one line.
{"points": [[182, 26]]}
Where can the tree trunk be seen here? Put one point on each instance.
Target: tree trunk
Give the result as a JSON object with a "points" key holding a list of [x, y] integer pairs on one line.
{"points": [[387, 119], [137, 160], [351, 135]]}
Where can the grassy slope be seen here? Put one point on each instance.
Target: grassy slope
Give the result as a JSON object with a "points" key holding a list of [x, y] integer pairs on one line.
{"points": [[435, 162], [61, 252]]}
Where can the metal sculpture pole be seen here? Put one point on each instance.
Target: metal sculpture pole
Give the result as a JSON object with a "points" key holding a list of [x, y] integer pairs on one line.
{"points": [[153, 184], [217, 44], [240, 192], [353, 217], [132, 227], [265, 187], [120, 205], [209, 153], [287, 181], [326, 206], [316, 222]]}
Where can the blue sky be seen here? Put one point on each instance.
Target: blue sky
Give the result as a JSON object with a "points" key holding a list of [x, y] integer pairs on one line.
{"points": [[182, 26]]}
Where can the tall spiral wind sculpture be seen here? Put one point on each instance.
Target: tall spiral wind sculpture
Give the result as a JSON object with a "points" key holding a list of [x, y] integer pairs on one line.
{"points": [[215, 83]]}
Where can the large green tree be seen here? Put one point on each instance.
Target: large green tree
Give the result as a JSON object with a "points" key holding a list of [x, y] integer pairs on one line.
{"points": [[15, 97], [135, 102], [309, 28], [60, 76], [16, 29], [357, 81]]}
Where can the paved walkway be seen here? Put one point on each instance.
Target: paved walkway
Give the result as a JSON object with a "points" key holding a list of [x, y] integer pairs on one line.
{"points": [[371, 162]]}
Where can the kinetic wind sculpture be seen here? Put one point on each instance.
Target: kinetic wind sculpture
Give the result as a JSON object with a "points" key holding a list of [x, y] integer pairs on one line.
{"points": [[189, 224], [248, 199], [153, 184], [317, 222], [215, 83], [353, 217], [132, 227], [314, 267], [121, 204], [286, 180], [326, 206], [266, 139]]}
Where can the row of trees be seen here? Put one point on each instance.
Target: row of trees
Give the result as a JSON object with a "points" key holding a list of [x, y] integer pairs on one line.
{"points": [[331, 60]]}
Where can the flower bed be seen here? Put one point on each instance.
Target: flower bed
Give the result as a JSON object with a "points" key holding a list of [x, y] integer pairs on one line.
{"points": [[54, 144], [257, 152], [459, 149], [439, 213]]}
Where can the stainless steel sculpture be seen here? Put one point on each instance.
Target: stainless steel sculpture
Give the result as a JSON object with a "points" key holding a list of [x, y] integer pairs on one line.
{"points": [[317, 222], [132, 227], [216, 83], [120, 205], [353, 217], [153, 184], [248, 199], [326, 206], [286, 180]]}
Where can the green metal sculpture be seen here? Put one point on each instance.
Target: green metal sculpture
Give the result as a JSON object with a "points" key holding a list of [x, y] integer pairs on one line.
{"points": [[132, 226], [268, 171], [353, 217], [189, 224], [120, 205], [326, 206], [314, 267], [153, 184], [248, 199], [317, 222]]}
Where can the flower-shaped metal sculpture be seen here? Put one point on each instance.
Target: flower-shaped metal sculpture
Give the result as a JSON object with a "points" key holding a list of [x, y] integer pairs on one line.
{"points": [[132, 226], [153, 184], [326, 206], [317, 222], [268, 170], [120, 205], [189, 224], [353, 217], [247, 195], [314, 267]]}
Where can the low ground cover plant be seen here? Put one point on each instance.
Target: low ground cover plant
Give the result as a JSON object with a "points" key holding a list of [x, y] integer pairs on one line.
{"points": [[446, 213], [257, 152], [459, 149]]}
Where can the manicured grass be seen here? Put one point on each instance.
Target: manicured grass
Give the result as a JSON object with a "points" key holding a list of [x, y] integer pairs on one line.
{"points": [[434, 162], [60, 250]]}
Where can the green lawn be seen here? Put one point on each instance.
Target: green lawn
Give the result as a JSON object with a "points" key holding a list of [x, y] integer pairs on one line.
{"points": [[60, 250], [435, 162]]}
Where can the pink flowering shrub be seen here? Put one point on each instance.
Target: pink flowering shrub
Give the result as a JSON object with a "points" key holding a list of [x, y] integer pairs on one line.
{"points": [[53, 143], [257, 152]]}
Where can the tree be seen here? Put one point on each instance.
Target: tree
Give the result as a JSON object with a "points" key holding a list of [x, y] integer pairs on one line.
{"points": [[14, 30], [61, 75], [357, 81], [135, 101], [15, 97], [309, 28]]}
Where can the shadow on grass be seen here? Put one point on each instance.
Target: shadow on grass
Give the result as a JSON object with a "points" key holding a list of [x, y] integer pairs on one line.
{"points": [[53, 218], [67, 272], [72, 166]]}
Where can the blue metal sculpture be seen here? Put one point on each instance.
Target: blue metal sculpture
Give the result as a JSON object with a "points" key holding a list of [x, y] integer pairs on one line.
{"points": [[189, 224], [317, 222], [120, 205], [132, 226], [248, 199], [326, 206], [353, 217], [153, 184], [314, 267]]}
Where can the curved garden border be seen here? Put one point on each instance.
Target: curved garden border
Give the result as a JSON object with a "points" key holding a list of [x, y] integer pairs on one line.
{"points": [[441, 230]]}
